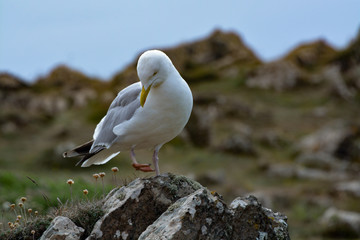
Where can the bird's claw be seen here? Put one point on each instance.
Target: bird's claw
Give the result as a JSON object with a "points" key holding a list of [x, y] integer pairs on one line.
{"points": [[143, 167]]}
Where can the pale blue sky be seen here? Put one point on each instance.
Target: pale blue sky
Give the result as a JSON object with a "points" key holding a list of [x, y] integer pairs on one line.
{"points": [[101, 37]]}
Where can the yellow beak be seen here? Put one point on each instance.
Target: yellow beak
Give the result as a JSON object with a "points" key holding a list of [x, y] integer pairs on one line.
{"points": [[143, 95]]}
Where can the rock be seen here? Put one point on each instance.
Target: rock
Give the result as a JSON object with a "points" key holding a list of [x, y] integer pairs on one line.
{"points": [[350, 187], [9, 82], [204, 99], [82, 97], [316, 174], [65, 79], [282, 171], [198, 128], [62, 228], [46, 98], [340, 224], [203, 215], [212, 178], [296, 171], [252, 221], [271, 197], [175, 207], [267, 197], [200, 215], [48, 104], [130, 209], [320, 112], [333, 75], [350, 56], [311, 55], [319, 160], [238, 144], [8, 127], [352, 76], [219, 56], [222, 54], [336, 139], [227, 108], [272, 139], [278, 75]]}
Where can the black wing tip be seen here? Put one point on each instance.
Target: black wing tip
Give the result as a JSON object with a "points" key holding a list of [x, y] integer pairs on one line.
{"points": [[83, 159], [79, 150], [89, 155], [80, 162], [73, 153], [97, 148]]}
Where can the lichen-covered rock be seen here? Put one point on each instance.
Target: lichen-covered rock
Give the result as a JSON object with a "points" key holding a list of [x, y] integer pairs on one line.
{"points": [[200, 215], [62, 228], [174, 208], [203, 215], [131, 209], [252, 221]]}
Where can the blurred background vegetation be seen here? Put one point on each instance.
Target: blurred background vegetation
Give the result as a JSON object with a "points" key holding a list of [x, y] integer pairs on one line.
{"points": [[286, 131]]}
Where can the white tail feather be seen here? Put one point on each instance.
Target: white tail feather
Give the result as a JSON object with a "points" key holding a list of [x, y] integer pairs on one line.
{"points": [[102, 157]]}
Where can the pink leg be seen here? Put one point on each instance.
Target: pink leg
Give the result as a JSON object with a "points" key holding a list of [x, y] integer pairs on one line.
{"points": [[132, 155], [156, 160], [139, 166]]}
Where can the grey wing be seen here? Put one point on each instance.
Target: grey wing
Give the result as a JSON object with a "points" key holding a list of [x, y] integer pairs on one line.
{"points": [[121, 109]]}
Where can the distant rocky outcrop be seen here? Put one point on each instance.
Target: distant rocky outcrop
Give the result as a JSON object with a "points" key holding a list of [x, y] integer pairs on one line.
{"points": [[310, 56], [348, 62], [63, 88], [220, 55], [9, 82], [278, 75], [175, 207], [312, 64], [300, 67], [65, 79], [349, 57]]}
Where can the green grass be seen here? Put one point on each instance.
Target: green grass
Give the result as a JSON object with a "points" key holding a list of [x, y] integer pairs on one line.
{"points": [[51, 196], [44, 191]]}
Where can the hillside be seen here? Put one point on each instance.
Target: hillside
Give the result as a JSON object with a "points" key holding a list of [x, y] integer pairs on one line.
{"points": [[285, 131]]}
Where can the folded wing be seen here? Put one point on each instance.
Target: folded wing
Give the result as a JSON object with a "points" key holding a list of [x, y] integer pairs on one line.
{"points": [[121, 109]]}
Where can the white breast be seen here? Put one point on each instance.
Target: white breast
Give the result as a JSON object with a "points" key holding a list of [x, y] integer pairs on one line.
{"points": [[164, 115]]}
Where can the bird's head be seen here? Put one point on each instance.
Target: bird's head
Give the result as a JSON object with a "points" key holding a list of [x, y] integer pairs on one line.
{"points": [[152, 68]]}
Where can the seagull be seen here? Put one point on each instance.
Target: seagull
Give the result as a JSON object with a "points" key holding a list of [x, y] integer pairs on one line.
{"points": [[144, 115]]}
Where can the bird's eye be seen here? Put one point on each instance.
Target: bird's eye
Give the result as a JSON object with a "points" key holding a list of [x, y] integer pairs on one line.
{"points": [[154, 73]]}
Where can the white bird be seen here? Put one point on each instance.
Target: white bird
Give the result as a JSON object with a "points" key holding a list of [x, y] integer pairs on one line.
{"points": [[146, 114]]}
